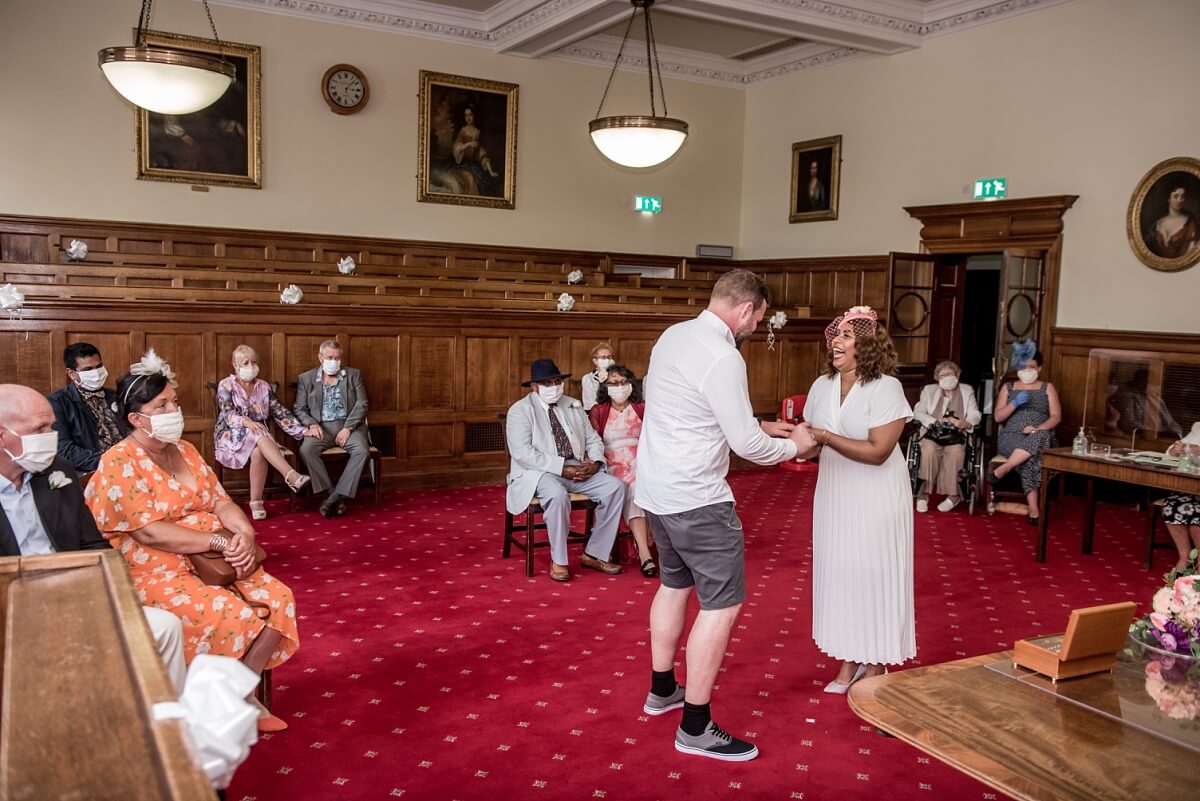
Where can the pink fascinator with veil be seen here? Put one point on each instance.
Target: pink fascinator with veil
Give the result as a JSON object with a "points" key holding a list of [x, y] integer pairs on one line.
{"points": [[863, 320]]}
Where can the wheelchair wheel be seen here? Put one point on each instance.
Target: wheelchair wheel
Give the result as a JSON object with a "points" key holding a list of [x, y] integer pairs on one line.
{"points": [[914, 463]]}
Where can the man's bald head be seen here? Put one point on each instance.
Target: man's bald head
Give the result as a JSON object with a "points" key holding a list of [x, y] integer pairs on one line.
{"points": [[23, 410]]}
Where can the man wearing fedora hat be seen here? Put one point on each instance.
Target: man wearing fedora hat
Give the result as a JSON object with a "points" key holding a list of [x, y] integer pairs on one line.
{"points": [[556, 452]]}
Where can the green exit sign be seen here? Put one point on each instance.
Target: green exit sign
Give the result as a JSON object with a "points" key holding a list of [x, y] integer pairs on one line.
{"points": [[647, 203], [991, 188]]}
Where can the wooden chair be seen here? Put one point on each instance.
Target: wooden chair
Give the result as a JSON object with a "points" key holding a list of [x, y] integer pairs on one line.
{"points": [[531, 523], [1156, 508], [1003, 490], [272, 488], [338, 456]]}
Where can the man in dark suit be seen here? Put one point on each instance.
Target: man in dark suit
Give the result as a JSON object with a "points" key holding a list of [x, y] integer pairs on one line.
{"points": [[85, 414], [332, 405], [41, 504]]}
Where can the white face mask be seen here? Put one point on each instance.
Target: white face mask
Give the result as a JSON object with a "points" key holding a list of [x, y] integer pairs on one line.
{"points": [[550, 394], [948, 382], [604, 364], [37, 451], [248, 372], [92, 379], [166, 426], [331, 366], [1028, 375], [620, 394]]}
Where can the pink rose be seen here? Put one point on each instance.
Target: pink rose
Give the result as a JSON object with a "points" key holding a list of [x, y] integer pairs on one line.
{"points": [[1159, 620], [1162, 601]]}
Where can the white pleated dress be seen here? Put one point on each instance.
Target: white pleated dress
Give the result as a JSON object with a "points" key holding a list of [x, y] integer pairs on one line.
{"points": [[862, 531]]}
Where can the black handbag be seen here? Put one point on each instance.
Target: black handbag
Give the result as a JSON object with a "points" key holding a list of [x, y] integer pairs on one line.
{"points": [[943, 434]]}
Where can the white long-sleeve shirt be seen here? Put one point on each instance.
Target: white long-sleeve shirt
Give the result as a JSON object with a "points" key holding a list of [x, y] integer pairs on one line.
{"points": [[697, 409]]}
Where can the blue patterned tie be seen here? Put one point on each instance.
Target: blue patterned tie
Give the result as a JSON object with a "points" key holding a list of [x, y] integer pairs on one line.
{"points": [[560, 436]]}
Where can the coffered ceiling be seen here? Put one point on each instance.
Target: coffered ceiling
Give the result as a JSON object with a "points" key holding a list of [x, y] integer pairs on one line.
{"points": [[733, 42]]}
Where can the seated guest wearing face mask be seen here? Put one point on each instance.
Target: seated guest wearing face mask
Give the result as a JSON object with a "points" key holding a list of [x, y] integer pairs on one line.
{"points": [[1029, 410], [245, 406], [332, 404], [85, 416], [556, 452], [156, 501], [947, 412], [41, 500], [602, 358]]}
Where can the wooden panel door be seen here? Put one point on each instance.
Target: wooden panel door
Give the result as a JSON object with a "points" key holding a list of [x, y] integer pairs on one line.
{"points": [[1021, 294], [946, 323], [910, 300]]}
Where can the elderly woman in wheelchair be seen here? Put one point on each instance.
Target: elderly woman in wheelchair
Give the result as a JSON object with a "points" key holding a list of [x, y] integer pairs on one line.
{"points": [[947, 413]]}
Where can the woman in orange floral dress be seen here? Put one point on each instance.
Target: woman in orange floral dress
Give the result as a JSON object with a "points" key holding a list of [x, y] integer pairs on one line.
{"points": [[156, 501]]}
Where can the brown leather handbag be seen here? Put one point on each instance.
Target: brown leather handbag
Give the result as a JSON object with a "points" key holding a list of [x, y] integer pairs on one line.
{"points": [[211, 567]]}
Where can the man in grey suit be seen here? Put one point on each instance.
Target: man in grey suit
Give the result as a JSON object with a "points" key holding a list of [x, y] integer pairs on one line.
{"points": [[332, 405], [555, 451]]}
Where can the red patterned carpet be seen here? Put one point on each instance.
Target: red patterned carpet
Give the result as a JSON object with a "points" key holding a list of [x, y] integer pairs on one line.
{"points": [[430, 668]]}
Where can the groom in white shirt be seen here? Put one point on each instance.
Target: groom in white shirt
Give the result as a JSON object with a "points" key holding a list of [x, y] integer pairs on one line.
{"points": [[697, 409]]}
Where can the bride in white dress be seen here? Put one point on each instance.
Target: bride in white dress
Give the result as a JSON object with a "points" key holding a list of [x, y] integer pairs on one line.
{"points": [[862, 512]]}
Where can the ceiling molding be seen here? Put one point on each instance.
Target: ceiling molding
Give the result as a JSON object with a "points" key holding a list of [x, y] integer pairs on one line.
{"points": [[569, 29]]}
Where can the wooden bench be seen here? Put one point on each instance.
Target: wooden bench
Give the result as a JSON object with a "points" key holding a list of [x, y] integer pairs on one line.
{"points": [[81, 676]]}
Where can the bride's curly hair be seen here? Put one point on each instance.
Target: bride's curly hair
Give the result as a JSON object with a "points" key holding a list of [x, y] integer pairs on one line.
{"points": [[875, 353]]}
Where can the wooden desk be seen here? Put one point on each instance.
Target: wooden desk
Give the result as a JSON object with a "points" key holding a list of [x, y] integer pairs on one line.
{"points": [[1024, 739], [80, 678], [1060, 461]]}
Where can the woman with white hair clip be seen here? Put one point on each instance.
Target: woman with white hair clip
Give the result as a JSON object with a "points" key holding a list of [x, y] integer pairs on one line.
{"points": [[245, 406], [947, 412]]}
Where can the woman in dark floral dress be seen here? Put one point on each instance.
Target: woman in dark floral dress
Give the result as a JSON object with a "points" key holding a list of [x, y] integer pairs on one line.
{"points": [[1029, 412], [1182, 512]]}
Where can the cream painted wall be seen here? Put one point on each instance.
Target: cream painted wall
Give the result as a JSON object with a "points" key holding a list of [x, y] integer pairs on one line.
{"points": [[1082, 99], [66, 139]]}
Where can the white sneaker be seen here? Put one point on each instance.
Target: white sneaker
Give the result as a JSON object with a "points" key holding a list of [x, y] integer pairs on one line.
{"points": [[922, 505], [946, 505]]}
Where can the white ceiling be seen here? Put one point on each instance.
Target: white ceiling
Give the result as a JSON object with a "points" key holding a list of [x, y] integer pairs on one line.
{"points": [[733, 42]]}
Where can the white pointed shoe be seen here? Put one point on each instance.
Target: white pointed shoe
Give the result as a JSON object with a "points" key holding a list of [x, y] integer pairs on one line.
{"points": [[837, 688], [922, 505]]}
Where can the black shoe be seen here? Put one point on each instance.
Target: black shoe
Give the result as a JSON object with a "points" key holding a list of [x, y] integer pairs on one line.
{"points": [[329, 506], [991, 477], [1033, 521]]}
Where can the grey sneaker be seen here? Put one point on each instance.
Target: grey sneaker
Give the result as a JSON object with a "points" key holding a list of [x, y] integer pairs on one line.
{"points": [[715, 744], [658, 705]]}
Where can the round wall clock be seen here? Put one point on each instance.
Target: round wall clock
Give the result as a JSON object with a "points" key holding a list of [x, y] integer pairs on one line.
{"points": [[345, 89]]}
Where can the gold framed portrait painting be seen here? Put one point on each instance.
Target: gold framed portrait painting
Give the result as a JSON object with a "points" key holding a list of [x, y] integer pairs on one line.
{"points": [[467, 141], [816, 178], [1163, 223], [220, 145]]}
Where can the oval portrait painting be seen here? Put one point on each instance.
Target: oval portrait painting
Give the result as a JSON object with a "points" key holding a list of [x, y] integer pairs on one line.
{"points": [[1164, 215]]}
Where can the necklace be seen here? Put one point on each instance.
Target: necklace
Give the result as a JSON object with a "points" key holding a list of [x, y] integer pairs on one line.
{"points": [[845, 388], [167, 468]]}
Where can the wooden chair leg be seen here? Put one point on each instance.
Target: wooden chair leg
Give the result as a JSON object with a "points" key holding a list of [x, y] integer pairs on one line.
{"points": [[529, 529], [508, 533], [263, 692], [377, 475], [1150, 538]]}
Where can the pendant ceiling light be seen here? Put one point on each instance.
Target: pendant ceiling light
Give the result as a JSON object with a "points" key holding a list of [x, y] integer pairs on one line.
{"points": [[639, 140], [164, 79]]}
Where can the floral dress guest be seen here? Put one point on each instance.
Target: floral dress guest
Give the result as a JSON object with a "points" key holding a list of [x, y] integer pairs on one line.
{"points": [[245, 406], [1029, 411], [156, 501], [617, 418], [1181, 512]]}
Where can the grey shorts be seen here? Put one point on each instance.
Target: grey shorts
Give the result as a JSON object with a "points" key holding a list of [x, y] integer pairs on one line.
{"points": [[702, 548]]}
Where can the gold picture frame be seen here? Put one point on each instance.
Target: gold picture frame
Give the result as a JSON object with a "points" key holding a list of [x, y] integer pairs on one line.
{"points": [[815, 188], [1163, 223], [218, 146], [464, 156]]}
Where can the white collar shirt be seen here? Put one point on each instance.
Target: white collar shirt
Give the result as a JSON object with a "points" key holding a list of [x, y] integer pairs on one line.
{"points": [[697, 410], [23, 517]]}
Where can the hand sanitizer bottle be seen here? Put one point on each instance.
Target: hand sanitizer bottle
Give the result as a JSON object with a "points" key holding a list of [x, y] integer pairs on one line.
{"points": [[1080, 446], [1185, 461]]}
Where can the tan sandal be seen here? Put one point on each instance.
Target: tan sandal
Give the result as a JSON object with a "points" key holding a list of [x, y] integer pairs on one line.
{"points": [[257, 511], [298, 484]]}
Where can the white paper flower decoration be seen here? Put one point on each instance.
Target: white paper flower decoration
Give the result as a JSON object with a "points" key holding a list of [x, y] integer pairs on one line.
{"points": [[11, 299], [292, 295], [565, 302], [778, 320], [346, 265], [77, 251], [575, 277]]}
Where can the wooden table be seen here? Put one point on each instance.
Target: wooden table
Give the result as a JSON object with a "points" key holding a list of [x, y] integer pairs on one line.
{"points": [[1060, 461], [1084, 739]]}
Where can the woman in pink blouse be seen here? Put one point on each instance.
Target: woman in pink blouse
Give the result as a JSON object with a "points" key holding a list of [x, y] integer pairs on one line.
{"points": [[617, 418], [245, 406]]}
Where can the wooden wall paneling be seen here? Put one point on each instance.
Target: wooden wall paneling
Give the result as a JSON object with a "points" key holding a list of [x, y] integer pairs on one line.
{"points": [[803, 360], [634, 352], [579, 360], [430, 374], [490, 378], [874, 289], [379, 360], [762, 373], [300, 357], [431, 440], [27, 357]]}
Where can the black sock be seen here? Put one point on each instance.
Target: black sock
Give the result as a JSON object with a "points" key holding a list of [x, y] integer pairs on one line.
{"points": [[696, 718], [663, 682]]}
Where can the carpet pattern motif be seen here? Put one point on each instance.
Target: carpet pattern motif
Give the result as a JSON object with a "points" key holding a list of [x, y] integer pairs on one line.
{"points": [[430, 668]]}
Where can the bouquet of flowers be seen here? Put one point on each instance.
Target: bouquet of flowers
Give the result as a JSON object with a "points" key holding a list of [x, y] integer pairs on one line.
{"points": [[1173, 625]]}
